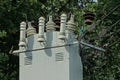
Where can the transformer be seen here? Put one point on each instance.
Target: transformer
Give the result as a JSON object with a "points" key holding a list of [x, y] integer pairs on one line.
{"points": [[50, 55]]}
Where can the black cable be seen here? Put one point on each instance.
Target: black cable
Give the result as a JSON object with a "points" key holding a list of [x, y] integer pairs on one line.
{"points": [[110, 28], [44, 48], [104, 16]]}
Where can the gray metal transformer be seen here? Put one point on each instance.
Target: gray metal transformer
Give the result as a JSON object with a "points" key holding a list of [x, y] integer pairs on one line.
{"points": [[51, 55]]}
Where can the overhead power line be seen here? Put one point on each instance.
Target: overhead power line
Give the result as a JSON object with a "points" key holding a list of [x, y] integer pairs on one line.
{"points": [[104, 16]]}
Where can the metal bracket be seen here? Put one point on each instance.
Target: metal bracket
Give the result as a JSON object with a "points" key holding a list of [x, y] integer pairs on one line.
{"points": [[92, 46]]}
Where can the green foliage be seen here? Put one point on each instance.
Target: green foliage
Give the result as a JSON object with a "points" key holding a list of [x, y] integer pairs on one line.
{"points": [[97, 65], [2, 33], [104, 66]]}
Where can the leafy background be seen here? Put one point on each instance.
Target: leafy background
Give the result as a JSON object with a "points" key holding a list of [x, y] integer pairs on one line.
{"points": [[104, 33]]}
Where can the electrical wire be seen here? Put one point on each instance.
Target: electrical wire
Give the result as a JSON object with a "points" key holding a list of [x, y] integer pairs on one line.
{"points": [[18, 51], [104, 16], [98, 22], [110, 28]]}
